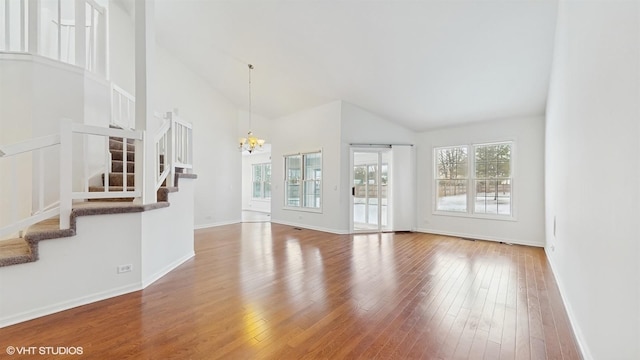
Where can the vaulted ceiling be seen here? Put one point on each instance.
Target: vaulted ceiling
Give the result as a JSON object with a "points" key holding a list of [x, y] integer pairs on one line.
{"points": [[422, 64]]}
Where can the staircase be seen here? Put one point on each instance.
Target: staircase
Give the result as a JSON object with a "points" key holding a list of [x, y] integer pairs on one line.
{"points": [[25, 249]]}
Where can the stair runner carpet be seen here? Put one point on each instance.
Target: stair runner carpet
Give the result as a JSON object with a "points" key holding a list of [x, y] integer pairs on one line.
{"points": [[25, 249]]}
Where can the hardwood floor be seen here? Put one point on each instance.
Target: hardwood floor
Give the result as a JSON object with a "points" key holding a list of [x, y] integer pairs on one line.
{"points": [[267, 291]]}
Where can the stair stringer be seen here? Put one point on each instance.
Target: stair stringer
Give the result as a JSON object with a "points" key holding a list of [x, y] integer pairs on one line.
{"points": [[81, 269]]}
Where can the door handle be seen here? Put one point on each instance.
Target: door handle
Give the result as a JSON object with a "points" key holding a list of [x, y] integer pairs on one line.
{"points": [[353, 191]]}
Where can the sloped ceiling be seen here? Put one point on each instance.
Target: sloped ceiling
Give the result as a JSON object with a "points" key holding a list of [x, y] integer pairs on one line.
{"points": [[422, 64]]}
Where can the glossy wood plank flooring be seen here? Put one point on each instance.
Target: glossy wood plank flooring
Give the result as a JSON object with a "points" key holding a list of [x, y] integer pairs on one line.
{"points": [[267, 291]]}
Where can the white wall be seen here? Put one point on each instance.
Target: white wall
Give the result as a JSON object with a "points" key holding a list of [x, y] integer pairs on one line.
{"points": [[81, 269], [121, 47], [528, 181], [216, 159], [593, 174], [309, 130], [75, 270], [165, 247], [248, 202]]}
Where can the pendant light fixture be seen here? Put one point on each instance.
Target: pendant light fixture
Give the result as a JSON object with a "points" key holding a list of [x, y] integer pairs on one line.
{"points": [[251, 142]]}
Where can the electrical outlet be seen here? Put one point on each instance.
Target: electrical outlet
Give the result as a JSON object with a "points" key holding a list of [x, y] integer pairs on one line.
{"points": [[125, 268]]}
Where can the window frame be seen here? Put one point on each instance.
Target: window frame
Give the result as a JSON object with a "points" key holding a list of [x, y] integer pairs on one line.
{"points": [[471, 180], [302, 182], [262, 182]]}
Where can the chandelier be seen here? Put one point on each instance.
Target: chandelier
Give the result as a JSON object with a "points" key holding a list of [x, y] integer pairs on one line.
{"points": [[251, 141]]}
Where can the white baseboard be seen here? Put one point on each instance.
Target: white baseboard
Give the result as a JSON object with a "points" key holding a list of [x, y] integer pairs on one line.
{"points": [[582, 345], [311, 227], [91, 298], [165, 270], [480, 237], [220, 223], [69, 304]]}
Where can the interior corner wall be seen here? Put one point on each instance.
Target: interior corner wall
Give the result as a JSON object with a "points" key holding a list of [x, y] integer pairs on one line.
{"points": [[216, 159], [528, 181], [309, 130], [593, 174]]}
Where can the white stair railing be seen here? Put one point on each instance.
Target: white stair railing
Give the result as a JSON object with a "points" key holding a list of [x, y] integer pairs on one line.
{"points": [[123, 107], [106, 133], [183, 138], [174, 148], [173, 144], [9, 153], [163, 163], [38, 28]]}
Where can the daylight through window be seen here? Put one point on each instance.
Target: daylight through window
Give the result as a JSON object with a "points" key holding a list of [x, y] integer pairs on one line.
{"points": [[261, 181], [303, 180], [476, 184]]}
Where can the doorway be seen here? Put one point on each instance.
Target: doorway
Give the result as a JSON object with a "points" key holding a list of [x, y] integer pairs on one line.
{"points": [[370, 180]]}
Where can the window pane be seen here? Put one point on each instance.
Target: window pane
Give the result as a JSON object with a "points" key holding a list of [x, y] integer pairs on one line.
{"points": [[493, 197], [452, 163], [493, 160], [267, 172], [293, 172], [257, 172], [313, 166], [312, 193], [294, 167], [267, 190], [257, 189], [293, 194], [452, 195]]}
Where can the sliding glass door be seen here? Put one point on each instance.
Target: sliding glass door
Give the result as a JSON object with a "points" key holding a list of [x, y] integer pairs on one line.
{"points": [[369, 191]]}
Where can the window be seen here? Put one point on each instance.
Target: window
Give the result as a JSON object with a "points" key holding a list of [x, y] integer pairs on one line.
{"points": [[303, 179], [261, 181], [488, 189], [492, 183], [452, 179]]}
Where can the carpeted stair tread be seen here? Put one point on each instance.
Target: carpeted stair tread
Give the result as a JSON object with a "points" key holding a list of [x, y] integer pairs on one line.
{"points": [[118, 165], [14, 251], [25, 250], [20, 251], [116, 179], [115, 144], [118, 155]]}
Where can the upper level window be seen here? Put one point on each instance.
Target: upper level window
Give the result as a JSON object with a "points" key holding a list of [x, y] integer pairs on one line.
{"points": [[303, 180], [261, 181], [487, 191]]}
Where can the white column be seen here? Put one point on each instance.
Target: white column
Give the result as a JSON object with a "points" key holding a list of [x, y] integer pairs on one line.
{"points": [[145, 55], [81, 33]]}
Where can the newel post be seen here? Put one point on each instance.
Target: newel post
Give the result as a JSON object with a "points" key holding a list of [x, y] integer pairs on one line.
{"points": [[145, 57], [66, 174]]}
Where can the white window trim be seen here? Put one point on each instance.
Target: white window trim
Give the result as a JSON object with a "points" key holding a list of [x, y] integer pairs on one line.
{"points": [[284, 198], [470, 179]]}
